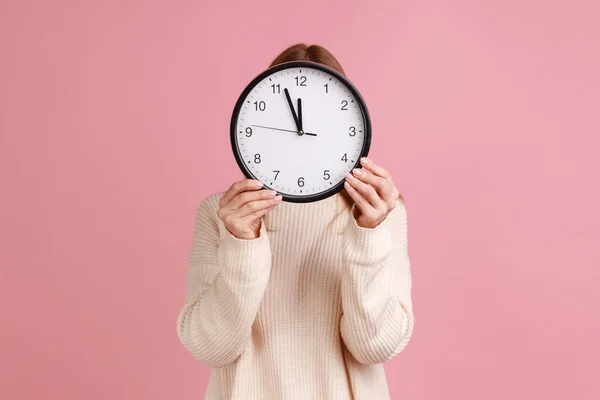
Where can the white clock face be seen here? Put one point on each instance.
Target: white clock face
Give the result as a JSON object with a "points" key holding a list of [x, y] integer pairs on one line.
{"points": [[301, 145]]}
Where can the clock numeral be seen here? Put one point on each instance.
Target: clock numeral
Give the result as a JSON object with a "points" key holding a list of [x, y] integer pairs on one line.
{"points": [[257, 159], [326, 88], [276, 88], [260, 105], [301, 182], [345, 157], [248, 132], [344, 105], [276, 173], [326, 175], [300, 80], [352, 131]]}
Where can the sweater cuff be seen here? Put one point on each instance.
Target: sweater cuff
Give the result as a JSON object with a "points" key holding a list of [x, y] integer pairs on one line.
{"points": [[245, 259], [367, 246]]}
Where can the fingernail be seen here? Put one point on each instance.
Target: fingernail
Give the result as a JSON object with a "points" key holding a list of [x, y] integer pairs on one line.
{"points": [[258, 184], [357, 171], [349, 176], [364, 160], [272, 192], [346, 184], [278, 198]]}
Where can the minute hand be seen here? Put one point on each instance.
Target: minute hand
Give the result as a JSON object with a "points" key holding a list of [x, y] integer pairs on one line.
{"points": [[289, 100]]}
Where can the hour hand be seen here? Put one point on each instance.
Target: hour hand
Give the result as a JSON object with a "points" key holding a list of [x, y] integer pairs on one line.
{"points": [[300, 127]]}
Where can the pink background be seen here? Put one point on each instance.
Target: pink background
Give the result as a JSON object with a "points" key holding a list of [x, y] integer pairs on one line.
{"points": [[114, 125]]}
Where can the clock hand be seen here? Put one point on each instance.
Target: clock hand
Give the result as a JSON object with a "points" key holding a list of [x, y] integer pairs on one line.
{"points": [[289, 100], [284, 130], [300, 114]]}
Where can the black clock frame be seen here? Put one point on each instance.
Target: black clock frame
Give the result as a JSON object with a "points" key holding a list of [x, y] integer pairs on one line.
{"points": [[300, 64]]}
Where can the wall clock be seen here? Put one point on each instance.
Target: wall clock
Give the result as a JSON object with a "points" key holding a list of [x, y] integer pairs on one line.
{"points": [[299, 128]]}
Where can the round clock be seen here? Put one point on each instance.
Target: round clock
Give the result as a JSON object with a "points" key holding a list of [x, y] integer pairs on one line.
{"points": [[299, 128]]}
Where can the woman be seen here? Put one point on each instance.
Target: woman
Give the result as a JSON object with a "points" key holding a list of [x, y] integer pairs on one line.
{"points": [[299, 301]]}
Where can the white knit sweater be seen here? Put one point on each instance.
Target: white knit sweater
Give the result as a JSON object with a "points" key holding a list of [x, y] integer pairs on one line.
{"points": [[309, 310]]}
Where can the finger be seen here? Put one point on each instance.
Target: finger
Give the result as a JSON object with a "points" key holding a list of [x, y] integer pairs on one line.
{"points": [[376, 169], [239, 187], [254, 207], [385, 187], [244, 198], [262, 212], [362, 203], [367, 191]]}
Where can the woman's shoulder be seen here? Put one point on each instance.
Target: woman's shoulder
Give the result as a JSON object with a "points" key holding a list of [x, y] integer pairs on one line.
{"points": [[212, 199], [209, 205]]}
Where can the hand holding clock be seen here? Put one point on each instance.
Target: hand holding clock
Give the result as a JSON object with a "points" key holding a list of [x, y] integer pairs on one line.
{"points": [[242, 207], [373, 192]]}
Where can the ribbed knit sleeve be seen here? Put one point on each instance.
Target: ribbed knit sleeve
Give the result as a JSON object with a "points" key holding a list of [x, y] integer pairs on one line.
{"points": [[377, 319], [227, 278]]}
